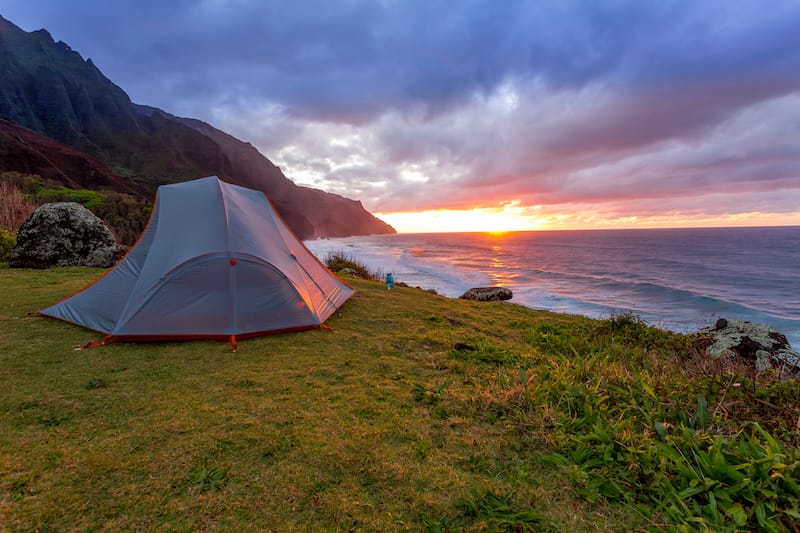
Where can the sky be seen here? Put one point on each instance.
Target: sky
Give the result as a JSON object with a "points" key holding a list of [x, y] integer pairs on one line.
{"points": [[445, 115]]}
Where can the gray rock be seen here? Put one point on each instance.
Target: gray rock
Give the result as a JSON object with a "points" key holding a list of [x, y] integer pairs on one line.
{"points": [[763, 345], [763, 360], [487, 294], [63, 234], [787, 357]]}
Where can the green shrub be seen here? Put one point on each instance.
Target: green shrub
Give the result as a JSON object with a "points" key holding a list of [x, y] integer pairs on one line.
{"points": [[630, 330], [339, 261], [91, 200], [8, 241], [126, 215]]}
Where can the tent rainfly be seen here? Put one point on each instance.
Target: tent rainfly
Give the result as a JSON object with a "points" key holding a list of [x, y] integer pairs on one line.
{"points": [[216, 261]]}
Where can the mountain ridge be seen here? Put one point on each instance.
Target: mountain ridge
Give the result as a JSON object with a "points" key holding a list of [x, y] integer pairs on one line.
{"points": [[253, 169], [49, 89]]}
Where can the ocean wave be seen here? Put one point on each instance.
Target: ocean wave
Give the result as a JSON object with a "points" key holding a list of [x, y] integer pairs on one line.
{"points": [[677, 281], [438, 274]]}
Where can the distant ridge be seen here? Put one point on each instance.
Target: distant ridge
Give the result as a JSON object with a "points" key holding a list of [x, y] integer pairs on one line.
{"points": [[50, 90], [337, 214]]}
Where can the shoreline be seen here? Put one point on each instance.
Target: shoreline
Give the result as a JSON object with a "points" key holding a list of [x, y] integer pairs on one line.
{"points": [[423, 260]]}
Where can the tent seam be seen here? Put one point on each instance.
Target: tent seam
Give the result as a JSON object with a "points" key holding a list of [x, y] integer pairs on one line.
{"points": [[154, 215], [231, 270]]}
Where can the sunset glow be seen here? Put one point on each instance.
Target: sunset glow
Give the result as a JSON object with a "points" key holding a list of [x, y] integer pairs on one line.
{"points": [[490, 220], [515, 218]]}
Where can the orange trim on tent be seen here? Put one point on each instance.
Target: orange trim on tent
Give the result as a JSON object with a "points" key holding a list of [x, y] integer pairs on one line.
{"points": [[288, 227], [232, 339], [108, 339]]}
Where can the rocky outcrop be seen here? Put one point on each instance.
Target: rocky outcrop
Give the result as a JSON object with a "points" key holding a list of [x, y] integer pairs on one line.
{"points": [[487, 294], [63, 234], [760, 344]]}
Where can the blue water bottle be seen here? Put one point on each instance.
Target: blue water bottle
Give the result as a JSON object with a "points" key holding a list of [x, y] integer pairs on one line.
{"points": [[389, 281]]}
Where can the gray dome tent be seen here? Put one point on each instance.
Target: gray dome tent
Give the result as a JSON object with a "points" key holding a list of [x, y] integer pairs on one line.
{"points": [[215, 261]]}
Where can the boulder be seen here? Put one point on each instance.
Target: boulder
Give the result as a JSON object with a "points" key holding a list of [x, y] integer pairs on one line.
{"points": [[63, 234], [487, 294], [762, 345]]}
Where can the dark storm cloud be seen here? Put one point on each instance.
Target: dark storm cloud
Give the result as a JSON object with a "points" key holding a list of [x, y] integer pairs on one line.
{"points": [[349, 60]]}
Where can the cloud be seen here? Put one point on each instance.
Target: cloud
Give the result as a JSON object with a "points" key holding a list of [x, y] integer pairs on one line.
{"points": [[482, 154], [349, 60], [420, 104]]}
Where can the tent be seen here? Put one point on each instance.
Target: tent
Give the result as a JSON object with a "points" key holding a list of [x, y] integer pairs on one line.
{"points": [[215, 261]]}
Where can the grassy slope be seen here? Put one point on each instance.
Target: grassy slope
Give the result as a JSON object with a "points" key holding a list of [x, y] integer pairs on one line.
{"points": [[379, 425]]}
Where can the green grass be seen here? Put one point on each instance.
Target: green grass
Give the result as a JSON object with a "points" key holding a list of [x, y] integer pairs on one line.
{"points": [[551, 423]]}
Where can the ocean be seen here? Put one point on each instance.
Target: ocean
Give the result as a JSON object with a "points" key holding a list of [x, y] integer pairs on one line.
{"points": [[676, 279]]}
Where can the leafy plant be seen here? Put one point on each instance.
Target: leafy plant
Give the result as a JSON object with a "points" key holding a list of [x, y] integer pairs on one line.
{"points": [[493, 511], [209, 478], [691, 477], [8, 241], [340, 261], [624, 442]]}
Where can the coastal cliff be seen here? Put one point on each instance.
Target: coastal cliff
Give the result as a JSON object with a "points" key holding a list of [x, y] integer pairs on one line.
{"points": [[51, 97]]}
